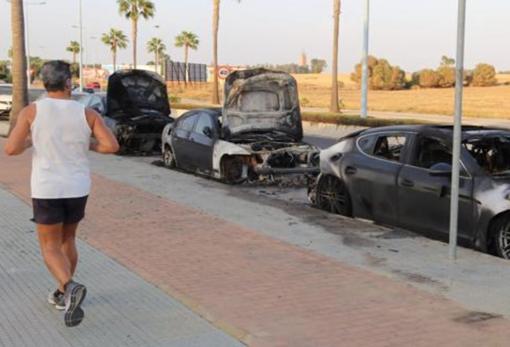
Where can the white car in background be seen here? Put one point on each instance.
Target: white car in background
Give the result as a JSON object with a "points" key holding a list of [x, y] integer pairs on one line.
{"points": [[5, 100]]}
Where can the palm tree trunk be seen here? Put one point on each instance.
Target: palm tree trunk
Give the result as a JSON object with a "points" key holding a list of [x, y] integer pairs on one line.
{"points": [[216, 21], [19, 62], [186, 71], [134, 33], [114, 55], [334, 107], [74, 58], [156, 62]]}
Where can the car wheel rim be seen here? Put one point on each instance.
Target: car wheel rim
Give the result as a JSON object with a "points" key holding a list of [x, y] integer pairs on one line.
{"points": [[504, 241], [332, 196], [168, 158]]}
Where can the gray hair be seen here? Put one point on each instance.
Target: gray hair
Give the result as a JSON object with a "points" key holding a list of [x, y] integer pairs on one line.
{"points": [[55, 75]]}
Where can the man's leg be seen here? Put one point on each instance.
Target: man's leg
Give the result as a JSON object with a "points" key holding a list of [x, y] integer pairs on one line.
{"points": [[50, 241], [69, 245]]}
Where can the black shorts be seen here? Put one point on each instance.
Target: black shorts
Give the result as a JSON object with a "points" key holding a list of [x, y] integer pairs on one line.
{"points": [[56, 211]]}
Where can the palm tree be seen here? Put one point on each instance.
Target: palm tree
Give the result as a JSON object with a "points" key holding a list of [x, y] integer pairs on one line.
{"points": [[216, 23], [19, 62], [133, 10], [334, 107], [156, 46], [188, 40], [74, 48], [115, 40]]}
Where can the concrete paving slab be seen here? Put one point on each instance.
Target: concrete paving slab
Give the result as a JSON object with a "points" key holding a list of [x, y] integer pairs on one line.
{"points": [[121, 308]]}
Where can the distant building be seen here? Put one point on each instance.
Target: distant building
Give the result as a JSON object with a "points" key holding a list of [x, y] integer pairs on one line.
{"points": [[303, 60]]}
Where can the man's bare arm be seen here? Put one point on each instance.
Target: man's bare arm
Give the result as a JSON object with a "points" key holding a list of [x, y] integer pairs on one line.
{"points": [[104, 141], [19, 139]]}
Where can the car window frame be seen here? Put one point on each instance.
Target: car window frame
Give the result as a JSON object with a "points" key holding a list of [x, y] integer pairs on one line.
{"points": [[376, 135], [213, 126], [412, 151], [185, 117]]}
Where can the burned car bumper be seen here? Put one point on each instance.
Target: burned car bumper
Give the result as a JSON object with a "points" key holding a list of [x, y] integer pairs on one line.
{"points": [[260, 160], [138, 137]]}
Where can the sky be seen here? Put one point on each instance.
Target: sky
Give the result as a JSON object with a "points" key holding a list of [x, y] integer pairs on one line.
{"points": [[412, 34]]}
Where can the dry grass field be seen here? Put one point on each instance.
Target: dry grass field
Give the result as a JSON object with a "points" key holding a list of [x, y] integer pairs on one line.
{"points": [[314, 92]]}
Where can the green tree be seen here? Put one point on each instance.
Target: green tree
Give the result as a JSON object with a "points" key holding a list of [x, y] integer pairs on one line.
{"points": [[484, 75], [133, 10], [5, 71], [74, 49], [356, 75], [215, 30], [446, 61], [387, 77], [334, 104], [115, 39], [318, 65], [19, 62], [156, 46], [188, 40], [36, 64]]}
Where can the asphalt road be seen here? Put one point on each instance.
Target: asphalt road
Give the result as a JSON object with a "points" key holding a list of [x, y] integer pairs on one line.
{"points": [[320, 141]]}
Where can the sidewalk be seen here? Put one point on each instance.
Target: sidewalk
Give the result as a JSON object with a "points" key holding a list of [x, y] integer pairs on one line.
{"points": [[121, 308], [262, 290]]}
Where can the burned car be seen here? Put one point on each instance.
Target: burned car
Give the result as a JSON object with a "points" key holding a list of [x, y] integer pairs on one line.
{"points": [[257, 134], [401, 176], [137, 109]]}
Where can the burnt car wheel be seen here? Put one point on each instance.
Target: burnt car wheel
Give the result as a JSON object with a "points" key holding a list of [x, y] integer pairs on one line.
{"points": [[333, 196], [232, 169], [169, 158], [501, 237]]}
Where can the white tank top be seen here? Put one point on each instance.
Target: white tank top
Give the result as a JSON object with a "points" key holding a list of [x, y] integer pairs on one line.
{"points": [[61, 139]]}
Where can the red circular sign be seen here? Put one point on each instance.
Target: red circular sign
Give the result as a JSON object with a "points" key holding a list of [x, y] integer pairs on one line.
{"points": [[223, 72]]}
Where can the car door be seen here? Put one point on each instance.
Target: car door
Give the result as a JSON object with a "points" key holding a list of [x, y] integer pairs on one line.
{"points": [[371, 175], [424, 191], [201, 142], [181, 139]]}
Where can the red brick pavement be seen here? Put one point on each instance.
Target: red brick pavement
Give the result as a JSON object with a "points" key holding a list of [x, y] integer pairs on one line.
{"points": [[264, 291]]}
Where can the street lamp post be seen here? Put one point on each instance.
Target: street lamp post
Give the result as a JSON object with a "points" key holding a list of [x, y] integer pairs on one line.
{"points": [[81, 47], [457, 130], [364, 68]]}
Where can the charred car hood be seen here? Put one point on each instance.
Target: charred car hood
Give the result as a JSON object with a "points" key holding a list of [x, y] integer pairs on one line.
{"points": [[261, 101], [135, 93]]}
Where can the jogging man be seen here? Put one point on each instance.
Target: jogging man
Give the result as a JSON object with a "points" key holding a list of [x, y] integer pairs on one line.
{"points": [[60, 131]]}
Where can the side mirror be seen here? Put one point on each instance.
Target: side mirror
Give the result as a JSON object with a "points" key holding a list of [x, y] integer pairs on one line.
{"points": [[441, 170], [208, 132]]}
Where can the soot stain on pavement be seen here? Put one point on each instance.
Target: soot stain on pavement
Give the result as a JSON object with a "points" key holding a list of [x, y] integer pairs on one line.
{"points": [[474, 317], [419, 279]]}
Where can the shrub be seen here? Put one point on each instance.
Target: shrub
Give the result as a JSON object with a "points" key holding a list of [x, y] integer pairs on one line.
{"points": [[446, 77], [484, 75], [382, 76], [429, 78]]}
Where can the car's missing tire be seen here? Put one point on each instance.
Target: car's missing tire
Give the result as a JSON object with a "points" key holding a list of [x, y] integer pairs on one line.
{"points": [[169, 158], [500, 237], [233, 170], [332, 196]]}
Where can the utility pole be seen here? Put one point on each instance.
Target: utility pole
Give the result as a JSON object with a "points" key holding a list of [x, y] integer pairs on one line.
{"points": [[364, 68], [81, 48], [457, 130]]}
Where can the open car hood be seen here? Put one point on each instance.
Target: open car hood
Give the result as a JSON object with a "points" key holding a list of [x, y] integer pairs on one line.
{"points": [[261, 101], [132, 93]]}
